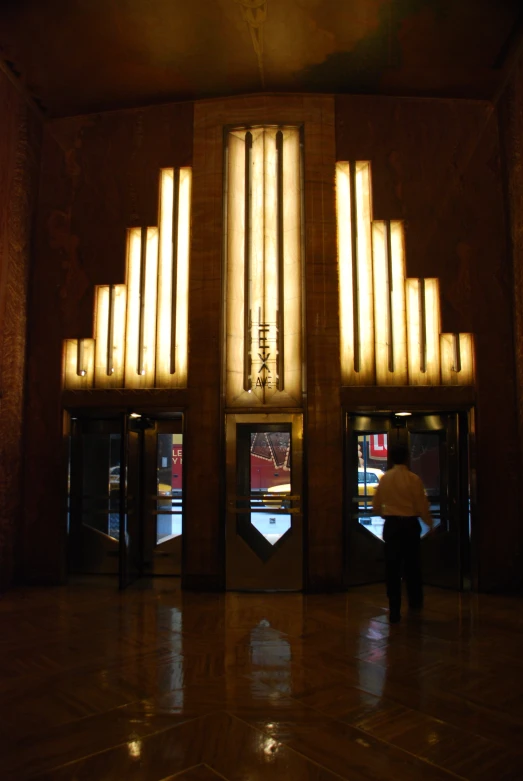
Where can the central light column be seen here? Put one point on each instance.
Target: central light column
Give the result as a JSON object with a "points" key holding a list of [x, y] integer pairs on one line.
{"points": [[263, 267]]}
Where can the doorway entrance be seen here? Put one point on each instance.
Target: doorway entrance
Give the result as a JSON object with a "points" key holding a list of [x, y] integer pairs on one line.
{"points": [[438, 450], [264, 521], [125, 495]]}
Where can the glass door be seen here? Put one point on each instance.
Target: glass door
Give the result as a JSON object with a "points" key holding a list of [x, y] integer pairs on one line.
{"points": [[163, 498], [94, 487], [438, 447], [264, 517], [131, 491]]}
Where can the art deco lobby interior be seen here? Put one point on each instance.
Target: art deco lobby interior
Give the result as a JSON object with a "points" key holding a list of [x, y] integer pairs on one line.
{"points": [[246, 248]]}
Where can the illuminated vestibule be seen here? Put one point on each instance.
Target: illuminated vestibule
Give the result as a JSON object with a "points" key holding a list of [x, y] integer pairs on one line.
{"points": [[141, 327], [389, 325]]}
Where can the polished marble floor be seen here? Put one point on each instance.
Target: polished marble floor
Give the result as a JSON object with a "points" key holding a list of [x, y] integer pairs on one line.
{"points": [[157, 684]]}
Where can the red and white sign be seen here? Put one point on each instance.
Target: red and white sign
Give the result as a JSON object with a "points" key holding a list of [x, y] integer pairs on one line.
{"points": [[378, 446]]}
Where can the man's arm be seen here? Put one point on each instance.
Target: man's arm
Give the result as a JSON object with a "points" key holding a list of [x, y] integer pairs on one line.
{"points": [[377, 501], [422, 505]]}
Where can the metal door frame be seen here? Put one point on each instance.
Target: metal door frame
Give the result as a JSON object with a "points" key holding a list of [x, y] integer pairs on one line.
{"points": [[458, 433], [245, 570]]}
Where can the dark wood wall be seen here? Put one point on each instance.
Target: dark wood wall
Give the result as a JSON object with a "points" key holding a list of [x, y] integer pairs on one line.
{"points": [[436, 165], [510, 116], [20, 137]]}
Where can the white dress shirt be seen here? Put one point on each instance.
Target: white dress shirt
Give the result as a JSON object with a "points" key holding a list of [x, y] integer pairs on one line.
{"points": [[401, 492]]}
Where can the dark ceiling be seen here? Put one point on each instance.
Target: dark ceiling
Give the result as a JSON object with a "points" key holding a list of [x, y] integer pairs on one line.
{"points": [[77, 56]]}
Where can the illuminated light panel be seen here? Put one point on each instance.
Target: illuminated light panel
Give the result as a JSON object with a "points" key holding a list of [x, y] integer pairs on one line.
{"points": [[427, 371], [389, 303], [292, 289], [353, 202], [134, 376], [450, 374], [134, 245], [165, 376], [258, 335], [139, 355], [101, 377], [343, 210], [73, 380], [389, 325], [182, 296]]}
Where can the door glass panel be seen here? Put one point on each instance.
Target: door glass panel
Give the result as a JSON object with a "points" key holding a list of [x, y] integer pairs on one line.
{"points": [[169, 466], [270, 483], [101, 482], [372, 463], [425, 462]]}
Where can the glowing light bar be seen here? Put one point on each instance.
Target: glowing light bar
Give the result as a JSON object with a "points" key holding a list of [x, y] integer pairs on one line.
{"points": [[173, 277], [457, 359], [423, 326], [78, 364], [141, 308], [389, 303], [110, 336], [354, 217]]}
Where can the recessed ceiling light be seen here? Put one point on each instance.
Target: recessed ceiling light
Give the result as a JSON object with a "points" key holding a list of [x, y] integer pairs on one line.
{"points": [[403, 414]]}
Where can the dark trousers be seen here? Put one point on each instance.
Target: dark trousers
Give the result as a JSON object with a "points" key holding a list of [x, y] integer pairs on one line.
{"points": [[402, 557]]}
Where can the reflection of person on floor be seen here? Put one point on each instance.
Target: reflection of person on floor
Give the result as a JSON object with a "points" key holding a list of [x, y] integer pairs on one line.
{"points": [[400, 499]]}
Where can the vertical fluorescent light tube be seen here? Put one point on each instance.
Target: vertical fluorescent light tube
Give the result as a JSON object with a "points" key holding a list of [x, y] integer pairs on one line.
{"points": [[174, 266], [141, 312], [449, 374], [267, 339], [422, 326], [110, 333], [260, 266], [344, 231], [280, 368], [390, 292], [382, 294], [235, 272], [80, 366], [292, 238], [134, 243], [182, 286], [466, 374], [389, 303], [457, 353], [73, 380], [101, 335], [163, 330], [423, 322], [364, 292], [147, 377], [432, 332], [247, 259], [118, 352], [413, 330], [399, 315], [355, 267]]}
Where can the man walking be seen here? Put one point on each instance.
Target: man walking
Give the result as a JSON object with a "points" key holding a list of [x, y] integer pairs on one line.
{"points": [[400, 498]]}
